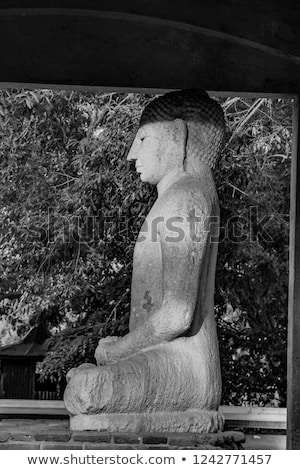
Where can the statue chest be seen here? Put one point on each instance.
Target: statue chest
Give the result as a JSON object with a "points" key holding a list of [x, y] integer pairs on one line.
{"points": [[146, 289]]}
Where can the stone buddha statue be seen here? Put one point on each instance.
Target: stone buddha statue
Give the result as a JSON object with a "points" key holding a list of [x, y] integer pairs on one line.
{"points": [[164, 375]]}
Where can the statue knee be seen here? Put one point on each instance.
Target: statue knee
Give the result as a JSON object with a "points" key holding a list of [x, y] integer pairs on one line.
{"points": [[89, 389]]}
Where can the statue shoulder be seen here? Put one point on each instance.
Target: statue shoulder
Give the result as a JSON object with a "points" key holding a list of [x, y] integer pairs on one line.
{"points": [[187, 194]]}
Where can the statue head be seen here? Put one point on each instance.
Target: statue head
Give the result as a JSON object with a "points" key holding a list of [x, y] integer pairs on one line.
{"points": [[183, 129]]}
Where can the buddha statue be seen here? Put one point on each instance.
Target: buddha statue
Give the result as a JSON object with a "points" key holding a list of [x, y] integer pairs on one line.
{"points": [[164, 375]]}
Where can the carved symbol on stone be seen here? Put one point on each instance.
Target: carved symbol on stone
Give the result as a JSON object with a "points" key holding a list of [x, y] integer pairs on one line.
{"points": [[148, 305]]}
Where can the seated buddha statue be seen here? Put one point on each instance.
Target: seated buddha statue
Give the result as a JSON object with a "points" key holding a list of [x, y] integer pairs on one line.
{"points": [[164, 375]]}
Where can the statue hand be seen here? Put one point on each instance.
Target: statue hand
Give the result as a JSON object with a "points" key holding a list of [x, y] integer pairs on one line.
{"points": [[75, 370], [102, 351]]}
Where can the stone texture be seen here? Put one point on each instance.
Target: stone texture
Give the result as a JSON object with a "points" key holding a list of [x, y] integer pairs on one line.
{"points": [[200, 447], [155, 439], [15, 436], [164, 375], [110, 447], [20, 446], [235, 436], [126, 439], [91, 437], [88, 446], [58, 436], [60, 446], [4, 436], [183, 440], [154, 447], [190, 421], [11, 428]]}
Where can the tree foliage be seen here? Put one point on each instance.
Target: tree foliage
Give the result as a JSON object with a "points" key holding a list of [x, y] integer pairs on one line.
{"points": [[252, 274], [71, 208]]}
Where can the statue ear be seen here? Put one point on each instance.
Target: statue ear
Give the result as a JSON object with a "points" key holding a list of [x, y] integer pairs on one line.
{"points": [[180, 129], [181, 135]]}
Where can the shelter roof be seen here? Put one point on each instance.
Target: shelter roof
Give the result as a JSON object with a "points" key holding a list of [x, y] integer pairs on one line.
{"points": [[30, 346], [158, 45]]}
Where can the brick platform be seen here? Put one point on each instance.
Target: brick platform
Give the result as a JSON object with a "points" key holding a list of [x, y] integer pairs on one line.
{"points": [[55, 435]]}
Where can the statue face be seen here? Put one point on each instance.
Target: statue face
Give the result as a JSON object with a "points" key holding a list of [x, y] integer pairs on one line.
{"points": [[154, 151]]}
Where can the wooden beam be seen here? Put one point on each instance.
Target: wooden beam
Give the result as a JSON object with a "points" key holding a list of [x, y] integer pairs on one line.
{"points": [[254, 417], [133, 52], [293, 375], [33, 407], [239, 416], [270, 22], [265, 442], [150, 91]]}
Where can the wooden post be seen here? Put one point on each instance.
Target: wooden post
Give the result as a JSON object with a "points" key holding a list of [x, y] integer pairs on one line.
{"points": [[293, 375]]}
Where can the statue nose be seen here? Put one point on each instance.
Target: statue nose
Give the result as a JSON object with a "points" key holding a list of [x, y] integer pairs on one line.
{"points": [[132, 155]]}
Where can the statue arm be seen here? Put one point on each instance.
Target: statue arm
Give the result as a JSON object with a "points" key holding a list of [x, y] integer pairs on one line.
{"points": [[182, 254]]}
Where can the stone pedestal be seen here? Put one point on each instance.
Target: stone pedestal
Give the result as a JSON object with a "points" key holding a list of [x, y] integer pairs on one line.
{"points": [[195, 421]]}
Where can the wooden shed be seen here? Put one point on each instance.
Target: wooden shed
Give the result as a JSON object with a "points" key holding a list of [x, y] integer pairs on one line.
{"points": [[232, 47], [19, 378]]}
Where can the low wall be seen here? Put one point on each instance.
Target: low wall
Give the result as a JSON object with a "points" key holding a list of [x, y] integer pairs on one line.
{"points": [[46, 435], [235, 416], [264, 428]]}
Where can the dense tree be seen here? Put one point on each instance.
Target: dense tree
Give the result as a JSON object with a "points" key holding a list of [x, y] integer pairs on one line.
{"points": [[71, 208], [252, 275]]}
